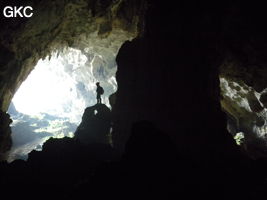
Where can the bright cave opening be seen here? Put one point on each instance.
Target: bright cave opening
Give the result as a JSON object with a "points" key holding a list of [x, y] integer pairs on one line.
{"points": [[51, 101]]}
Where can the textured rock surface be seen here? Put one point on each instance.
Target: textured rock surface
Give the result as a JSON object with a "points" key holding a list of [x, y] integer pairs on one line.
{"points": [[246, 115], [244, 70]]}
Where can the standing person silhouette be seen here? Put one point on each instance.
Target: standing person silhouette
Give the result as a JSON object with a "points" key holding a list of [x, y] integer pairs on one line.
{"points": [[99, 92]]}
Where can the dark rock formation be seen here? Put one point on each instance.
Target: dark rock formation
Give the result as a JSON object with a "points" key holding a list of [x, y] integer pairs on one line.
{"points": [[150, 166], [95, 126], [244, 46], [60, 167], [263, 99], [5, 134], [170, 77], [112, 100]]}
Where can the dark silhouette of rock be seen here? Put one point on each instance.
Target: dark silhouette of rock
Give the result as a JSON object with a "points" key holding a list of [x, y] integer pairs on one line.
{"points": [[152, 167], [150, 156], [112, 99], [95, 125], [5, 134]]}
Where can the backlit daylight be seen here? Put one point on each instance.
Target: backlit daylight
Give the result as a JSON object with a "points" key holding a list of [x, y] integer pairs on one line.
{"points": [[51, 101]]}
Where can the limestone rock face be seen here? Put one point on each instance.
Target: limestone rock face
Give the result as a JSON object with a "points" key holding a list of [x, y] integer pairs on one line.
{"points": [[243, 75], [244, 102]]}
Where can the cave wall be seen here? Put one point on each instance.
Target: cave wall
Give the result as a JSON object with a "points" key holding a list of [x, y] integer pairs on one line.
{"points": [[244, 68], [170, 77]]}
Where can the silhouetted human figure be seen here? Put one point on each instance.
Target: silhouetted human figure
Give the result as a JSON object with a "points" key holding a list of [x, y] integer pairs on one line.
{"points": [[99, 92]]}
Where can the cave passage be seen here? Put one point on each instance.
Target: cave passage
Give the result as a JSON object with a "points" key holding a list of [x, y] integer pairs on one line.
{"points": [[246, 115], [51, 101]]}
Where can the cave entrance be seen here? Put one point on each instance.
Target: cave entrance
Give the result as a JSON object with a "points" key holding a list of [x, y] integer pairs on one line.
{"points": [[51, 101]]}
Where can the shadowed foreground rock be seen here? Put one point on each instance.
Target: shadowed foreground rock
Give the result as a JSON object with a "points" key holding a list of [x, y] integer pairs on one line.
{"points": [[95, 125], [5, 134], [150, 167]]}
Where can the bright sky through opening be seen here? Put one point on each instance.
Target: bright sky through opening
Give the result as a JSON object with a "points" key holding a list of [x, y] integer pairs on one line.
{"points": [[52, 100], [50, 89]]}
